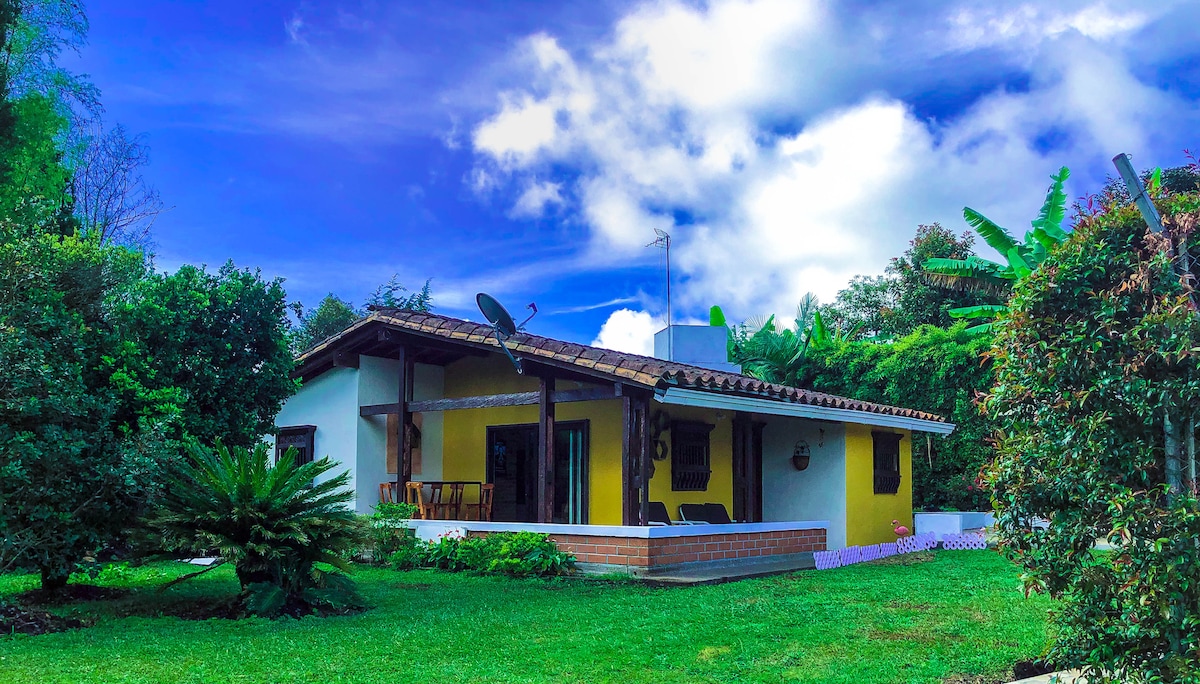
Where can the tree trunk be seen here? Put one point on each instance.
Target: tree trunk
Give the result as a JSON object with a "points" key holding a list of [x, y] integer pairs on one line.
{"points": [[53, 580]]}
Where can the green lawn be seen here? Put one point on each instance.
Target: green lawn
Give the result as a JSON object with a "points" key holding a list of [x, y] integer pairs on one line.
{"points": [[946, 617]]}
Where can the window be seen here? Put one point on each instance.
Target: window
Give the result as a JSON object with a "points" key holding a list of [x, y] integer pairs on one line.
{"points": [[887, 462], [690, 468], [298, 437]]}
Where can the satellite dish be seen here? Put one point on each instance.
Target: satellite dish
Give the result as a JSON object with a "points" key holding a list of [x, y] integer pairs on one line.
{"points": [[503, 324], [496, 314]]}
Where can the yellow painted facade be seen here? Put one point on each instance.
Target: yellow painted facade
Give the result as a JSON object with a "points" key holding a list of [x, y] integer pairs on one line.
{"points": [[869, 515], [464, 441]]}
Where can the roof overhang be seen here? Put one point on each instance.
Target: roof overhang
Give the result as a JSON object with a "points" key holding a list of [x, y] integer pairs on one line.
{"points": [[685, 397]]}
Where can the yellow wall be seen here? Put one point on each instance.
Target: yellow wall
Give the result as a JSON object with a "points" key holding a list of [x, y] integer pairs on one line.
{"points": [[720, 484], [869, 515], [464, 441]]}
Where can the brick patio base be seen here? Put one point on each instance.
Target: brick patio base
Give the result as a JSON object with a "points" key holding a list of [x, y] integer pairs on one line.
{"points": [[640, 552]]}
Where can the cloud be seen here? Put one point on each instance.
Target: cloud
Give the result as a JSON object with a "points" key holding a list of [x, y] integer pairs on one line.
{"points": [[783, 145], [629, 331], [533, 202], [294, 28]]}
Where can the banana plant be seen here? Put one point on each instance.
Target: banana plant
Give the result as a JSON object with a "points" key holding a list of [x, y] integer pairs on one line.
{"points": [[775, 352], [1020, 258]]}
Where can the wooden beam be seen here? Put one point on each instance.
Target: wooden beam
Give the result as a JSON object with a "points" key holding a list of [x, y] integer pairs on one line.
{"points": [[643, 460], [404, 472], [545, 466], [491, 401], [345, 359], [487, 401], [628, 491]]}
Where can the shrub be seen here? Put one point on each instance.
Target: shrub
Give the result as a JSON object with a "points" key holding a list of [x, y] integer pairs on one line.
{"points": [[519, 554], [1099, 347], [287, 534], [388, 529]]}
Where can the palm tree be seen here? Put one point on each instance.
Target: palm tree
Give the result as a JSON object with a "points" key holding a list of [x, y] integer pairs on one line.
{"points": [[982, 275]]}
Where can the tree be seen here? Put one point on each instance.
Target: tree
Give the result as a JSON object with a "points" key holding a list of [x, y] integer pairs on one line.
{"points": [[79, 428], [1096, 358], [982, 275], [34, 188], [221, 339], [867, 303], [918, 302], [111, 198], [893, 305], [334, 314], [331, 316], [44, 29], [930, 369]]}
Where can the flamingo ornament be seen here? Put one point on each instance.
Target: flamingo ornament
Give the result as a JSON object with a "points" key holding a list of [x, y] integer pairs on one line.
{"points": [[900, 530]]}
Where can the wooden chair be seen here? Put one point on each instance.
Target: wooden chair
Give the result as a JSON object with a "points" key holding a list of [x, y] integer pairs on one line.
{"points": [[415, 495], [453, 507], [387, 492], [483, 509]]}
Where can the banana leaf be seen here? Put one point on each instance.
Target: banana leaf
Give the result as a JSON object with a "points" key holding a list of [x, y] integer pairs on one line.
{"points": [[1020, 266], [980, 311], [996, 237], [716, 317], [1054, 209]]}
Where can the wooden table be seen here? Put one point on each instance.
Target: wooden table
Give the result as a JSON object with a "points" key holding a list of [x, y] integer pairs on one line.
{"points": [[440, 508]]}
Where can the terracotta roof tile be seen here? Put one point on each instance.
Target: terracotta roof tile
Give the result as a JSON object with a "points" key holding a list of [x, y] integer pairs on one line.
{"points": [[644, 370]]}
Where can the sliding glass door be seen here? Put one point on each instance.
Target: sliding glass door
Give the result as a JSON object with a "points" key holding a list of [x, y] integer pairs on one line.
{"points": [[570, 472]]}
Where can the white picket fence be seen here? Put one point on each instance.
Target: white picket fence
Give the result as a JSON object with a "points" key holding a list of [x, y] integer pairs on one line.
{"points": [[827, 560]]}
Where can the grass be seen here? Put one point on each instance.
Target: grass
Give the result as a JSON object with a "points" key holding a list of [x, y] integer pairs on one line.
{"points": [[946, 617]]}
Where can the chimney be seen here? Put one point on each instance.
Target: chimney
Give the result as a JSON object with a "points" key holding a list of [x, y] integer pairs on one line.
{"points": [[697, 345]]}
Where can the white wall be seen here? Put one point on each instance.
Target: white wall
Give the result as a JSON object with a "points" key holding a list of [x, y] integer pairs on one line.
{"points": [[429, 383], [379, 383], [329, 401], [816, 493]]}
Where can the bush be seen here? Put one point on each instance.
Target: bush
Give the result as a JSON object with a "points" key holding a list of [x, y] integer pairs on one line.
{"points": [[287, 534], [1098, 348], [934, 370], [518, 554], [389, 531]]}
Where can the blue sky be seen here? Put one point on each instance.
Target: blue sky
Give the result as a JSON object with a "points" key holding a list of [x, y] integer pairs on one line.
{"points": [[530, 149]]}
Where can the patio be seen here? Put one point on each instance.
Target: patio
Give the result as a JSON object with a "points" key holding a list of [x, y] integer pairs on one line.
{"points": [[704, 552]]}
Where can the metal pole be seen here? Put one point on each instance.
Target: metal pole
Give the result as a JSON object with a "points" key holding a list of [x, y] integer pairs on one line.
{"points": [[670, 332], [1140, 197]]}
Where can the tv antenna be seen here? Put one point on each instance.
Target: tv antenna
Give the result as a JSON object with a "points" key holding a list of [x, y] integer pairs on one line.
{"points": [[664, 241], [503, 325]]}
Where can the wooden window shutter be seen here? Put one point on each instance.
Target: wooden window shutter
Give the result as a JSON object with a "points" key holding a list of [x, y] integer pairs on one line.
{"points": [[690, 456], [886, 446]]}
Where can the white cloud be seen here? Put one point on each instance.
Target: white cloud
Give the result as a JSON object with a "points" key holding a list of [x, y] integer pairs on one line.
{"points": [[538, 194], [629, 331], [520, 129], [760, 121]]}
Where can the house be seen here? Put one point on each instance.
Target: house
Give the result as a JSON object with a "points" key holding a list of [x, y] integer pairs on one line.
{"points": [[582, 442]]}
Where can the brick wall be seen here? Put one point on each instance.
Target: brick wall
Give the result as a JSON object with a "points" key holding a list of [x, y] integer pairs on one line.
{"points": [[649, 553]]}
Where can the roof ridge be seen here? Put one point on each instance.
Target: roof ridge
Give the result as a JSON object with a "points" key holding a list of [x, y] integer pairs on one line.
{"points": [[646, 370]]}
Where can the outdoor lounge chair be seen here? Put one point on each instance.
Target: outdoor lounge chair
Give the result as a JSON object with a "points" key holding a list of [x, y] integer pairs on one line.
{"points": [[660, 518], [713, 513]]}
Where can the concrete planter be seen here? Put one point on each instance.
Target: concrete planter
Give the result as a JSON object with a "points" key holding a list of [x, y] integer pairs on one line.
{"points": [[942, 524]]}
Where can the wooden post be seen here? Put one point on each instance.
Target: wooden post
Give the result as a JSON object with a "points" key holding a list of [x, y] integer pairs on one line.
{"points": [[629, 513], [643, 460], [404, 472], [545, 468]]}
